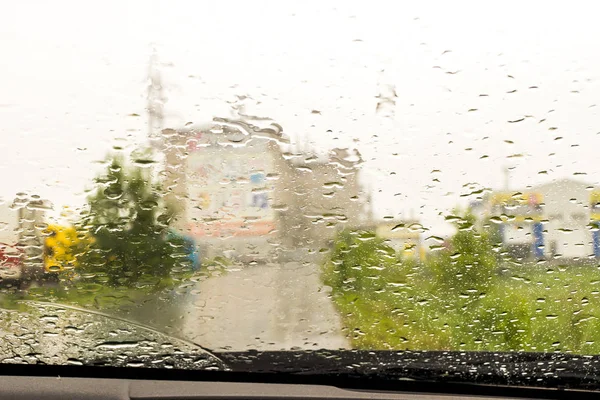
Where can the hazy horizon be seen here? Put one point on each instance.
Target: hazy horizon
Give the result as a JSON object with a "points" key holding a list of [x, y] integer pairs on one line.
{"points": [[479, 88]]}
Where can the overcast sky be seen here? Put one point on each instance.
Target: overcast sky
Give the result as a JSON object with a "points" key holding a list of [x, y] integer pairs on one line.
{"points": [[73, 71]]}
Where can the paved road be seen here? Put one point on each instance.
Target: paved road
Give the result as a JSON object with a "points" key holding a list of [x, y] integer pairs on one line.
{"points": [[264, 307]]}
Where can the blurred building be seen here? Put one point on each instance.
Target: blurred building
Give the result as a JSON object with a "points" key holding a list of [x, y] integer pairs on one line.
{"points": [[22, 222], [558, 220], [319, 195], [402, 236], [241, 192]]}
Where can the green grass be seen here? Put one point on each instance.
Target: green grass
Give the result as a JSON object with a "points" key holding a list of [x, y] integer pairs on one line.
{"points": [[91, 295], [529, 308], [87, 295]]}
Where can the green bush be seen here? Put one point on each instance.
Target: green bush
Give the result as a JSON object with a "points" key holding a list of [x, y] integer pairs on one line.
{"points": [[469, 264], [359, 262], [457, 300]]}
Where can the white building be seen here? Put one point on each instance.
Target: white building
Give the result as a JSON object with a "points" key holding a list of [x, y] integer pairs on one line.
{"points": [[557, 220], [402, 236], [223, 178], [241, 195]]}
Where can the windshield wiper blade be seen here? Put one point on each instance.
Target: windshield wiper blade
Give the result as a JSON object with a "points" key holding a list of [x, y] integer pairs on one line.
{"points": [[117, 319], [89, 337], [556, 370]]}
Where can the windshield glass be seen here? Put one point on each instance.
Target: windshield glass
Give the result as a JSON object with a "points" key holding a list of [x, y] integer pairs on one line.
{"points": [[202, 178]]}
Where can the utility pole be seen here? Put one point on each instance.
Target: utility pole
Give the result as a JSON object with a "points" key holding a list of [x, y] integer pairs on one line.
{"points": [[155, 103], [506, 172], [386, 96], [166, 145]]}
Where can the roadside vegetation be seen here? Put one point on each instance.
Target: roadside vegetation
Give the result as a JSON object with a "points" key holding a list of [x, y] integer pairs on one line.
{"points": [[464, 296], [120, 251]]}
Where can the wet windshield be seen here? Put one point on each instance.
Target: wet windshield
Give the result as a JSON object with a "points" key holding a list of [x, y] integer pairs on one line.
{"points": [[200, 179]]}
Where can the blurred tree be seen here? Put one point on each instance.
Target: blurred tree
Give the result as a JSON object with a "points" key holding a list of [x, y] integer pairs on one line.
{"points": [[470, 262], [129, 222], [494, 228]]}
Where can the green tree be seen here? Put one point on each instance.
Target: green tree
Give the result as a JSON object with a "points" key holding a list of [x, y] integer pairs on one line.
{"points": [[128, 222], [469, 263]]}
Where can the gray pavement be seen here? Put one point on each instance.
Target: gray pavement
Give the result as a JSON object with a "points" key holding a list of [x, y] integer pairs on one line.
{"points": [[264, 307]]}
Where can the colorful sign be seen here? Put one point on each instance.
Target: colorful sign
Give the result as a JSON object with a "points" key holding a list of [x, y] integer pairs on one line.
{"points": [[595, 205], [225, 229], [596, 238], [531, 199], [60, 248], [538, 241]]}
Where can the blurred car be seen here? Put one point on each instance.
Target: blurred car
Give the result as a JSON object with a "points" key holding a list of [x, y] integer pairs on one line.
{"points": [[11, 262]]}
